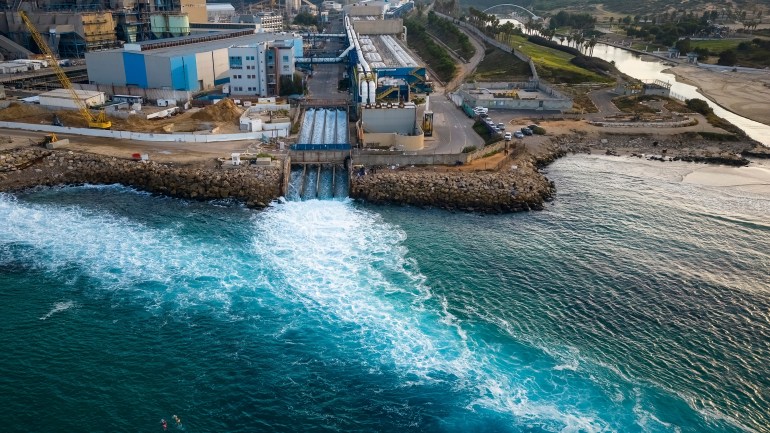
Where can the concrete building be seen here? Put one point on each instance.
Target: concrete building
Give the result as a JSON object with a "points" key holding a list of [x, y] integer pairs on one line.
{"points": [[192, 63], [256, 69], [62, 98], [266, 21], [331, 5], [531, 95], [195, 10], [67, 34], [220, 12], [12, 68], [391, 126], [74, 27]]}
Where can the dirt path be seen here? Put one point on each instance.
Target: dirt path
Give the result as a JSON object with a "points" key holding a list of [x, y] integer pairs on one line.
{"points": [[465, 69]]}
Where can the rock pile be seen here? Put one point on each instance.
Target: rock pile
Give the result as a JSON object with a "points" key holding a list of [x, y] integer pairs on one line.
{"points": [[513, 189], [255, 185], [682, 144]]}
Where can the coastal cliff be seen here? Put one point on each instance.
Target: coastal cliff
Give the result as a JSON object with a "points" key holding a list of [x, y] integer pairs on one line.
{"points": [[29, 167]]}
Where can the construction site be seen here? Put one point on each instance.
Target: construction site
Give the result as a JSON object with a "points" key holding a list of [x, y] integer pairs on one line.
{"points": [[152, 82]]}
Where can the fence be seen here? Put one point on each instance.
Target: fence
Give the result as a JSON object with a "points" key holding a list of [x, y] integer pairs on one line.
{"points": [[306, 146], [148, 94], [137, 136]]}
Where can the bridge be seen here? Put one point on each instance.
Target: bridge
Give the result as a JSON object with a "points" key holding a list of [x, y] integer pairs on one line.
{"points": [[508, 10]]}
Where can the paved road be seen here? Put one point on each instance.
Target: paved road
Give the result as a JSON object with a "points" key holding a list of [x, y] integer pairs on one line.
{"points": [[602, 98], [323, 83], [452, 129]]}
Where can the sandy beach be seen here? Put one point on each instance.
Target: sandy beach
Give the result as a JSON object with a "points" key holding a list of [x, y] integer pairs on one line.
{"points": [[754, 178], [744, 93]]}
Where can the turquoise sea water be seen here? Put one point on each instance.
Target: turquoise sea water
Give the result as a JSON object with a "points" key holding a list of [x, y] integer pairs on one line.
{"points": [[633, 303]]}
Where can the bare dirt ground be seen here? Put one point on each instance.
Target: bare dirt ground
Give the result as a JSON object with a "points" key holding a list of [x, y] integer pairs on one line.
{"points": [[180, 153], [746, 94], [223, 116]]}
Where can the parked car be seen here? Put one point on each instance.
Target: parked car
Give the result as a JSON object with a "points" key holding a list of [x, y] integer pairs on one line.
{"points": [[490, 121], [479, 110], [518, 134], [532, 126], [507, 136], [526, 131]]}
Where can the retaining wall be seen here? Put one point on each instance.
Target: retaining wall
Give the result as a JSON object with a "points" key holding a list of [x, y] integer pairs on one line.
{"points": [[139, 136]]}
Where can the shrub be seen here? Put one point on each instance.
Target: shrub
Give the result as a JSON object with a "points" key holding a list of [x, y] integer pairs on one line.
{"points": [[698, 106], [551, 44], [539, 130], [469, 149], [593, 64]]}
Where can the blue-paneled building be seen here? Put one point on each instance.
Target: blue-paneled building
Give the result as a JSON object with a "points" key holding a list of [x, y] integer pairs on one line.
{"points": [[188, 63]]}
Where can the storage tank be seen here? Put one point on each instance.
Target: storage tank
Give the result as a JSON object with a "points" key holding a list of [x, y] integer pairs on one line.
{"points": [[158, 25], [372, 91], [179, 25], [363, 90]]}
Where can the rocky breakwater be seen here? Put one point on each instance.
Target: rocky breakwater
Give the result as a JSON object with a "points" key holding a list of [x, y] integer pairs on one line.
{"points": [[29, 167], [518, 186]]}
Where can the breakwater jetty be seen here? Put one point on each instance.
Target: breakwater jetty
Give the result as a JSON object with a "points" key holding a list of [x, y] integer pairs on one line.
{"points": [[24, 168], [517, 186]]}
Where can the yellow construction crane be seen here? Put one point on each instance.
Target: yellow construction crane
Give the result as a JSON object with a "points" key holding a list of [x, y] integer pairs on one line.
{"points": [[100, 121]]}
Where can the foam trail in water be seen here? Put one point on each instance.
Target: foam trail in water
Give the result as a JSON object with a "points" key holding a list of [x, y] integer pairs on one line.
{"points": [[121, 254], [349, 266], [57, 308]]}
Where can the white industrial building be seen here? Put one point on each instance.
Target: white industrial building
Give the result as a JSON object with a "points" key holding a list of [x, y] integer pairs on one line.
{"points": [[62, 98], [12, 68], [265, 21], [220, 12], [256, 69]]}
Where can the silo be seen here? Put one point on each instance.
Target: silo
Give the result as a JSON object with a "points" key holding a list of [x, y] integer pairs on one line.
{"points": [[159, 25], [179, 25]]}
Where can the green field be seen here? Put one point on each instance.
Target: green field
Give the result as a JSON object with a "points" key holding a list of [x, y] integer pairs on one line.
{"points": [[552, 64], [717, 45], [498, 65]]}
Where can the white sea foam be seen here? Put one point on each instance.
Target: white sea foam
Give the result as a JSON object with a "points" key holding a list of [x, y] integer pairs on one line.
{"points": [[350, 267], [122, 254], [57, 308]]}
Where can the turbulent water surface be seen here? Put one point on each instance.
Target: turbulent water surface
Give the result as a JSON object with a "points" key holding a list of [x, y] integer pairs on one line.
{"points": [[634, 303]]}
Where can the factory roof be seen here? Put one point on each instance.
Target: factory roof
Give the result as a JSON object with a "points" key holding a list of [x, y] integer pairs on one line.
{"points": [[392, 52], [66, 94], [219, 7], [201, 47]]}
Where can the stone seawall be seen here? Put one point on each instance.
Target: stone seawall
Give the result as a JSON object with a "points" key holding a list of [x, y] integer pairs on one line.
{"points": [[516, 187], [29, 167]]}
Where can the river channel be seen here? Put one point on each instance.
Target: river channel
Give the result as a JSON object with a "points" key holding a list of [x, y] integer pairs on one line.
{"points": [[633, 65]]}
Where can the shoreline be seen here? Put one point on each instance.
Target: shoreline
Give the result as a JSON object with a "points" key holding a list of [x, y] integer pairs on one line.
{"points": [[741, 93], [515, 184]]}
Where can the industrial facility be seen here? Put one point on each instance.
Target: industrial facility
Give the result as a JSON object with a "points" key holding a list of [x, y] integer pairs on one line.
{"points": [[74, 28], [191, 63]]}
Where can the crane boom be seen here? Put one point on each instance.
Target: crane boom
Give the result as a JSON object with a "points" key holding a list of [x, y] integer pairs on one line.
{"points": [[99, 121]]}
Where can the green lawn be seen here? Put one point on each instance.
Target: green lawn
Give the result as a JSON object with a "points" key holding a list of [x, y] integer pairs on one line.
{"points": [[717, 45], [498, 65], [552, 64]]}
